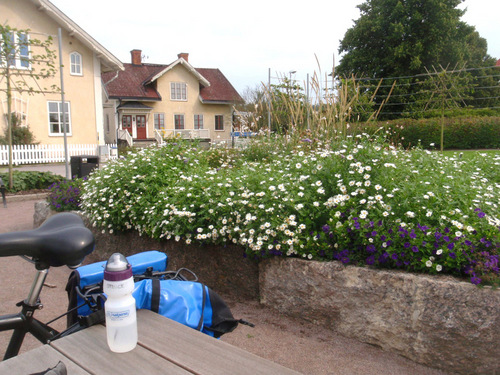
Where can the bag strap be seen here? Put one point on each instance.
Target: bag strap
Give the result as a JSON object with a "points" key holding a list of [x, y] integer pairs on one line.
{"points": [[96, 317], [200, 324], [155, 295]]}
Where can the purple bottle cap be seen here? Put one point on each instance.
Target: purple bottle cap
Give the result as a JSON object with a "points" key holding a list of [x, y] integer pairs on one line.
{"points": [[117, 268]]}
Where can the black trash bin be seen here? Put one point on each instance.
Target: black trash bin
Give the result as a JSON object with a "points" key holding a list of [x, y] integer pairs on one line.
{"points": [[82, 165]]}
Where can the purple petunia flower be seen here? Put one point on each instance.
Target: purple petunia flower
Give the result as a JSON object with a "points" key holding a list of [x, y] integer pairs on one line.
{"points": [[371, 248], [475, 280]]}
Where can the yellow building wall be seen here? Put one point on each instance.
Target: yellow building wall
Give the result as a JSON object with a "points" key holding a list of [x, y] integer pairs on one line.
{"points": [[193, 105], [79, 90]]}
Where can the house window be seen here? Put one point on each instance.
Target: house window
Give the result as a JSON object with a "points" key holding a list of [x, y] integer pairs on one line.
{"points": [[179, 122], [75, 64], [56, 118], [198, 122], [178, 91], [18, 50], [19, 109], [219, 122], [159, 121]]}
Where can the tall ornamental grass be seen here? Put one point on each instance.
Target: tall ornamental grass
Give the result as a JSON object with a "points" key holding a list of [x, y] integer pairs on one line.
{"points": [[358, 200]]}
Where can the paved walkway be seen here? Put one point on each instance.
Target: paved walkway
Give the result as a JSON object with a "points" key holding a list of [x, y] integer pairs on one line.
{"points": [[17, 274]]}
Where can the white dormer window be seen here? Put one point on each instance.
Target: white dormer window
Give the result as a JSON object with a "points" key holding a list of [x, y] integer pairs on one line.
{"points": [[75, 64], [178, 91]]}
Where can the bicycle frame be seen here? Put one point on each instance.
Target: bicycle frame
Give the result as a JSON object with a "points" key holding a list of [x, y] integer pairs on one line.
{"points": [[62, 240], [24, 322]]}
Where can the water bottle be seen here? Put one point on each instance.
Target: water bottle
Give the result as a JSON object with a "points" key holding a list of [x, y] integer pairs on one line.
{"points": [[121, 316]]}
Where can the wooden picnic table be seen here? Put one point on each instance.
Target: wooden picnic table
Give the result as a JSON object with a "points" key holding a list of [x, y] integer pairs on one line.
{"points": [[164, 347]]}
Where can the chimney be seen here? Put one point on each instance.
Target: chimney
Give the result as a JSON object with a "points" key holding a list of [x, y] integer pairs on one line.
{"points": [[136, 56], [184, 55]]}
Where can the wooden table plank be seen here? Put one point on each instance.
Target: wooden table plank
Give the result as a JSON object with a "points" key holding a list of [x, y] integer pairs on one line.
{"points": [[38, 360], [89, 349], [198, 352]]}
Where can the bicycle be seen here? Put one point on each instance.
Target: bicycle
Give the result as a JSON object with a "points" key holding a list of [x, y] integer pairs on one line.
{"points": [[62, 240]]}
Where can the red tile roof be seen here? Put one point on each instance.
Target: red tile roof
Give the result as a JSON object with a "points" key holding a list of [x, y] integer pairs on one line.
{"points": [[129, 84], [132, 83], [220, 88]]}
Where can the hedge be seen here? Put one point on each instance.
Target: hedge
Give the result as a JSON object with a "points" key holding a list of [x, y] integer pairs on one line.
{"points": [[459, 133]]}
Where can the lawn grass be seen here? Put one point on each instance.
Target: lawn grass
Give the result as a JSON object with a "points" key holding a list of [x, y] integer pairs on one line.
{"points": [[466, 154]]}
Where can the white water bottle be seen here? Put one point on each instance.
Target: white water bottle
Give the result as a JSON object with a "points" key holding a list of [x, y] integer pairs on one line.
{"points": [[121, 316]]}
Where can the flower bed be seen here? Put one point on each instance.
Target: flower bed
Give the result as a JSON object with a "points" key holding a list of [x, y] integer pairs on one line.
{"points": [[358, 201]]}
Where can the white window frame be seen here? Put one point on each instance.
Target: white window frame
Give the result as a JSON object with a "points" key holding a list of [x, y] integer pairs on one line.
{"points": [[60, 133], [178, 91], [159, 125], [76, 68], [215, 123], [19, 107], [181, 115], [200, 122], [18, 58]]}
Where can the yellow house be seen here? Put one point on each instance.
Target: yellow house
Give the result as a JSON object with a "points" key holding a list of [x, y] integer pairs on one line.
{"points": [[150, 101], [84, 60]]}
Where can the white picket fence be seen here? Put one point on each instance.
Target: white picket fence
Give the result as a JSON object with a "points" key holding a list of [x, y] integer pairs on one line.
{"points": [[35, 154]]}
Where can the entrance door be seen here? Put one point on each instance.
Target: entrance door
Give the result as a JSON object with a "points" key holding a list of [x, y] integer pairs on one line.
{"points": [[141, 126], [127, 123]]}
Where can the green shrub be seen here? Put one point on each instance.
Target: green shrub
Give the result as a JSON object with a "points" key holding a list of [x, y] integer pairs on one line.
{"points": [[459, 133], [65, 195], [27, 180], [358, 201]]}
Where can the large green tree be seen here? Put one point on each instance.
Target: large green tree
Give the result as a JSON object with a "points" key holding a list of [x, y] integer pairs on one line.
{"points": [[404, 38]]}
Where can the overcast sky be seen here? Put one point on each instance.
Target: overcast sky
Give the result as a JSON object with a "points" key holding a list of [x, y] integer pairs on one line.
{"points": [[242, 39]]}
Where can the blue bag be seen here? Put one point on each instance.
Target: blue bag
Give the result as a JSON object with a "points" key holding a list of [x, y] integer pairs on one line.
{"points": [[89, 278], [168, 293]]}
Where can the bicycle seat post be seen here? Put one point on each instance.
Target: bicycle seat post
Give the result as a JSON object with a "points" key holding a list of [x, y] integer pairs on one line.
{"points": [[36, 287]]}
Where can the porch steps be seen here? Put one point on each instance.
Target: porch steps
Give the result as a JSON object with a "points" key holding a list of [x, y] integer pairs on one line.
{"points": [[143, 143]]}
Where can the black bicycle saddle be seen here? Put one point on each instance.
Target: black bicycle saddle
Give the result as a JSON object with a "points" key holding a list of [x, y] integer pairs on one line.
{"points": [[62, 240]]}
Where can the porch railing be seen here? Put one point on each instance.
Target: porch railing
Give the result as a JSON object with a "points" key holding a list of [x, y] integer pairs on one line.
{"points": [[158, 137], [125, 135], [186, 133]]}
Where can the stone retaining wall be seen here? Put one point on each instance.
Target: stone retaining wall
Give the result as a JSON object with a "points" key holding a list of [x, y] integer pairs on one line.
{"points": [[436, 321]]}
